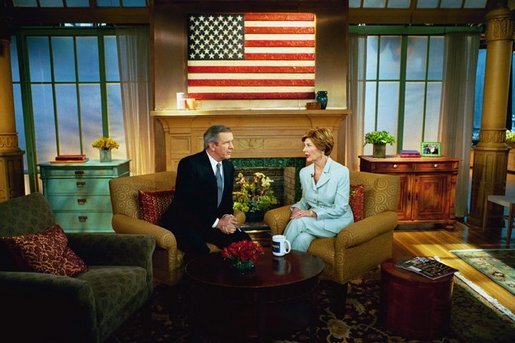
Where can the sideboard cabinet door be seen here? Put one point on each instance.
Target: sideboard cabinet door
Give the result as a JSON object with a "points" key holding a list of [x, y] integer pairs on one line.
{"points": [[428, 187], [78, 193]]}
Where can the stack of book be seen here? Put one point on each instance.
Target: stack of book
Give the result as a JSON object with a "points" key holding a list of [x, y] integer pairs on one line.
{"points": [[428, 267], [79, 158], [409, 153]]}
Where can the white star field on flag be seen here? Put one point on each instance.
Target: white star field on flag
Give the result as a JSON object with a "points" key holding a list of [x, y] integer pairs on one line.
{"points": [[216, 37]]}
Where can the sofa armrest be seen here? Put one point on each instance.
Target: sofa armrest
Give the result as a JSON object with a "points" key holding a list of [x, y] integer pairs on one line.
{"points": [[43, 301], [112, 249], [277, 219], [366, 229], [164, 238]]}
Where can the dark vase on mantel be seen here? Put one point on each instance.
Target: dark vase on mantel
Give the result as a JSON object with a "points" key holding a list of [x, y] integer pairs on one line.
{"points": [[322, 99]]}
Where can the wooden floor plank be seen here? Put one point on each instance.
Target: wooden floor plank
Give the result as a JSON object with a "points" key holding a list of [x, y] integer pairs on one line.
{"points": [[408, 243]]}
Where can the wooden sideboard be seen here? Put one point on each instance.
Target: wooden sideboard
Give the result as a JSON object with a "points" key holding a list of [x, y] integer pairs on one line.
{"points": [[428, 187]]}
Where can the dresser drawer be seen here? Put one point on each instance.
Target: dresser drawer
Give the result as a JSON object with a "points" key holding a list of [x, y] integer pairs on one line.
{"points": [[436, 166], [84, 170], [76, 186], [392, 167], [85, 221], [80, 203]]}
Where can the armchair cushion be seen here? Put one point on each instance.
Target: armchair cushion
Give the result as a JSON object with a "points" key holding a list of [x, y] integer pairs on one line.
{"points": [[44, 252], [154, 203]]}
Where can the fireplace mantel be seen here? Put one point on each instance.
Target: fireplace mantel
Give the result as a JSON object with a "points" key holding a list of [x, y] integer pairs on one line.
{"points": [[257, 132]]}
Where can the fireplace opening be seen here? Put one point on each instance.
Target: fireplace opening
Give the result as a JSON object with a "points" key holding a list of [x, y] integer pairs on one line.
{"points": [[283, 171]]}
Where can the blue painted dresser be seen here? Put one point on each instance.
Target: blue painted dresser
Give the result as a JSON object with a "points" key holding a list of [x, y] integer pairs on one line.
{"points": [[79, 193]]}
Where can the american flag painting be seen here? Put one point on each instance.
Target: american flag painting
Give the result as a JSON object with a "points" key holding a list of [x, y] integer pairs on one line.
{"points": [[251, 56]]}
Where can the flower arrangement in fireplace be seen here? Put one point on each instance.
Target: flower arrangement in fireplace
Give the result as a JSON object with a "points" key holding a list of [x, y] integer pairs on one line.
{"points": [[254, 194], [243, 254]]}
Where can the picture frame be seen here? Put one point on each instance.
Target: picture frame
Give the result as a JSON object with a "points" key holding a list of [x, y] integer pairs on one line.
{"points": [[430, 149]]}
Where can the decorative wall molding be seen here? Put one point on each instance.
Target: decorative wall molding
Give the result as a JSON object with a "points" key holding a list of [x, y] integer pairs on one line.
{"points": [[499, 25], [492, 136], [8, 142]]}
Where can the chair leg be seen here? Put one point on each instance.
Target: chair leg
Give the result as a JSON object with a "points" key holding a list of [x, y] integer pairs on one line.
{"points": [[510, 224]]}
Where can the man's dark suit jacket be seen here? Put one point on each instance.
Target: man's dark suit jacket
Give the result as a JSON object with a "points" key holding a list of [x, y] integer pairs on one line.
{"points": [[194, 204]]}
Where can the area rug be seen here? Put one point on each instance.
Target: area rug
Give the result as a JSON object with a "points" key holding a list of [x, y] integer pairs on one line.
{"points": [[497, 264], [473, 318]]}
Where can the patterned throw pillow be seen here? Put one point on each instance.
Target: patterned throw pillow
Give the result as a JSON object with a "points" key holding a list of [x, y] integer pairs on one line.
{"points": [[357, 201], [45, 252], [153, 204]]}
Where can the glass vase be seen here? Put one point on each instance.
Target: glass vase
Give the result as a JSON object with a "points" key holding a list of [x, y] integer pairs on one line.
{"points": [[242, 266], [379, 150], [256, 216], [105, 155]]}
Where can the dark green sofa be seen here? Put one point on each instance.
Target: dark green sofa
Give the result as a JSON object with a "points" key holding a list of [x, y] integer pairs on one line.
{"points": [[39, 307]]}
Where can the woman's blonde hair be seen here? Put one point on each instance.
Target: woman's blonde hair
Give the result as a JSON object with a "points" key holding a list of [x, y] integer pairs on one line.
{"points": [[322, 138]]}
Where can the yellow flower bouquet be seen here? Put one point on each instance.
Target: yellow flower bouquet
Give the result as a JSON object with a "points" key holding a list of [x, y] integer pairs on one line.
{"points": [[105, 143]]}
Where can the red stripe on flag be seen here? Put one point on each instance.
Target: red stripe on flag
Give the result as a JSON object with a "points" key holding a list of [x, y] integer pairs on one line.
{"points": [[269, 57], [251, 96], [257, 83], [251, 69], [279, 16], [280, 43], [279, 30]]}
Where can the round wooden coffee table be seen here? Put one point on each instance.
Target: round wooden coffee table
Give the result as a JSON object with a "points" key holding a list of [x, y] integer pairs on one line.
{"points": [[273, 299], [414, 306]]}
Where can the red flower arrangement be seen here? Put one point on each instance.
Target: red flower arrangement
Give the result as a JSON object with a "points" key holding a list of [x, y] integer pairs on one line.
{"points": [[242, 254]]}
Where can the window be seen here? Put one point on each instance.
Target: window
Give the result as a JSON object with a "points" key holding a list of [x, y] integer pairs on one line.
{"points": [[67, 90], [403, 88]]}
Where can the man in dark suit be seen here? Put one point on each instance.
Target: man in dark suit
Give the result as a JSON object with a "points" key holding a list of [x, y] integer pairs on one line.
{"points": [[202, 209]]}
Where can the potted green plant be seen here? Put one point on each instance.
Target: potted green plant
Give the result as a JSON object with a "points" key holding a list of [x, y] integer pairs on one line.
{"points": [[254, 195], [379, 139]]}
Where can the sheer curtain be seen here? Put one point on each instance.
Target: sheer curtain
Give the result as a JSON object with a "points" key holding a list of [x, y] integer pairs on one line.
{"points": [[354, 133], [457, 108], [134, 60]]}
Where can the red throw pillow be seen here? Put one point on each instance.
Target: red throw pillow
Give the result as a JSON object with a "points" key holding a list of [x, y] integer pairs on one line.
{"points": [[45, 252], [357, 201], [153, 204]]}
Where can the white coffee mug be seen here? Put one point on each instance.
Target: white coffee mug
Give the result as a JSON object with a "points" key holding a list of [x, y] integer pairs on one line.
{"points": [[280, 245]]}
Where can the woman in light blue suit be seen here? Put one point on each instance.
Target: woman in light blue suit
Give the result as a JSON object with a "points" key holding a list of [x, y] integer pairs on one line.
{"points": [[324, 207]]}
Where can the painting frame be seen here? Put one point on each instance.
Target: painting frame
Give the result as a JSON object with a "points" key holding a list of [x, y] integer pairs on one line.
{"points": [[430, 149]]}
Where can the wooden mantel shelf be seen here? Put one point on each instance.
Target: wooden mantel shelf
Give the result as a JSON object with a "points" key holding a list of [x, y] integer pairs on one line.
{"points": [[252, 112], [258, 133]]}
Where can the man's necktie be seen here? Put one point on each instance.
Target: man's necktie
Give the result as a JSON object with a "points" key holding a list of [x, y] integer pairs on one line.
{"points": [[219, 182]]}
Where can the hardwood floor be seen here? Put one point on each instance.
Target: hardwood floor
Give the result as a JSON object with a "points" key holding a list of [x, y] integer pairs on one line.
{"points": [[439, 242]]}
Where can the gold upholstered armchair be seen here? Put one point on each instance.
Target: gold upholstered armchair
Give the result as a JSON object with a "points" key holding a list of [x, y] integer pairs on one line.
{"points": [[127, 218], [362, 245]]}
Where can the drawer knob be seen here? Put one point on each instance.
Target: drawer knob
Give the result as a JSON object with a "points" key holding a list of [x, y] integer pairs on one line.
{"points": [[435, 165], [80, 184], [83, 219], [395, 166], [81, 201], [79, 173]]}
